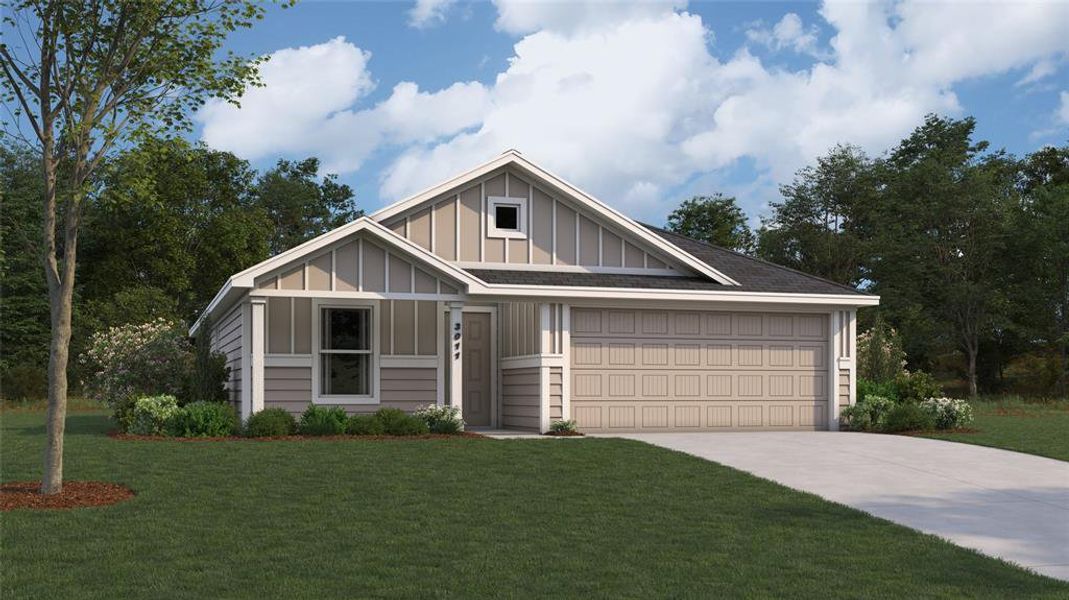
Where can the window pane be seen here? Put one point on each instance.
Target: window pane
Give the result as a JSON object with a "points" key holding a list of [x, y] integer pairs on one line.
{"points": [[345, 374], [507, 217], [346, 329]]}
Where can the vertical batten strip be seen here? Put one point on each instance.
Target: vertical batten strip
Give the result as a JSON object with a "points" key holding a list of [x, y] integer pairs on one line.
{"points": [[553, 235]]}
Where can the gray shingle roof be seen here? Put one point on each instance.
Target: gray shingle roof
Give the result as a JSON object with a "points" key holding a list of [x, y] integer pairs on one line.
{"points": [[753, 275]]}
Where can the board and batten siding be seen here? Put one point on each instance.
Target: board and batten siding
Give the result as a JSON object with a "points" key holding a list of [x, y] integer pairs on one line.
{"points": [[406, 327], [453, 226], [520, 329], [226, 338], [690, 370], [290, 388]]}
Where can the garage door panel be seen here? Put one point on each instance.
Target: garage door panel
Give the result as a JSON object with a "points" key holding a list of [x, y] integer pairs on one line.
{"points": [[658, 370]]}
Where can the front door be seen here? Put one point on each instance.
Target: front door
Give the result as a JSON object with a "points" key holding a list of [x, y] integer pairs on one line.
{"points": [[476, 388]]}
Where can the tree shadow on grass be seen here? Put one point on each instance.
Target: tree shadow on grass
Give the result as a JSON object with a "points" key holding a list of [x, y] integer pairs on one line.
{"points": [[77, 424]]}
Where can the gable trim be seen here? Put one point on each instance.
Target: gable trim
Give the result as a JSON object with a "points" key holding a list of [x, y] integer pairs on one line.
{"points": [[574, 194]]}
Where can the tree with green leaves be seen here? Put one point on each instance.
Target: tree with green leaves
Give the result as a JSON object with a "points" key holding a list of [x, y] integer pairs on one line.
{"points": [[716, 219], [818, 228], [101, 73], [940, 238], [301, 204]]}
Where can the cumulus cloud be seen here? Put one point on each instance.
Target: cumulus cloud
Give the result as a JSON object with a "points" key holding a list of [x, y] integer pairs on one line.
{"points": [[1063, 108], [1039, 71], [627, 100], [788, 33], [429, 13]]}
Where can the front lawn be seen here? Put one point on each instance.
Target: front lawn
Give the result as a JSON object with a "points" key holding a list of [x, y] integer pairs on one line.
{"points": [[455, 518], [1034, 427]]}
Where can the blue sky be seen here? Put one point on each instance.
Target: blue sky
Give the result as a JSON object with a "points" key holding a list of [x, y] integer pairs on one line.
{"points": [[641, 104]]}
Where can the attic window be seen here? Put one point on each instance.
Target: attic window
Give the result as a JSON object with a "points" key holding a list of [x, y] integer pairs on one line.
{"points": [[506, 217]]}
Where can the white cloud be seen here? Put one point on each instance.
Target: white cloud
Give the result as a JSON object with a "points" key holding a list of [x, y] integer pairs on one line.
{"points": [[790, 33], [1063, 108], [1039, 71], [627, 101], [429, 13]]}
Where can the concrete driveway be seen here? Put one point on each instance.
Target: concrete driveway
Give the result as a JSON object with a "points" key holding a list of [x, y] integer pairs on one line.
{"points": [[1005, 504]]}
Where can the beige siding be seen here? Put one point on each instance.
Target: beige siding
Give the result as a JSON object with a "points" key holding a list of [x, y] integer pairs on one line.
{"points": [[520, 401], [520, 325], [358, 264], [553, 228], [556, 393], [679, 370], [226, 338], [290, 388], [409, 328]]}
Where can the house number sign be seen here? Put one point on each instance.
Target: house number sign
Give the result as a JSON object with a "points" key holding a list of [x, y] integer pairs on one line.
{"points": [[456, 341]]}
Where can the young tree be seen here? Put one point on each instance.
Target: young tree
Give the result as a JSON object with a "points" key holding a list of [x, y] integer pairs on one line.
{"points": [[716, 219], [301, 205], [99, 73], [818, 227]]}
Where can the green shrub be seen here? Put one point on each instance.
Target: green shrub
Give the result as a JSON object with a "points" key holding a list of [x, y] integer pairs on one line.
{"points": [[907, 417], [948, 413], [870, 414], [153, 415], [441, 419], [567, 426], [365, 425], [137, 360], [398, 422], [917, 386], [322, 420], [25, 382], [208, 373], [270, 422], [204, 419], [868, 387], [880, 356]]}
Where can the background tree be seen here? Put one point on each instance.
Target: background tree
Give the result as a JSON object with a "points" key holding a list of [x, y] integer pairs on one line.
{"points": [[818, 228], [716, 219], [301, 205], [941, 238], [101, 72]]}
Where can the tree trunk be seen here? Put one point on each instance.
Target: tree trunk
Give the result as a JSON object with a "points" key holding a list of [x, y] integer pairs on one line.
{"points": [[971, 352], [59, 351]]}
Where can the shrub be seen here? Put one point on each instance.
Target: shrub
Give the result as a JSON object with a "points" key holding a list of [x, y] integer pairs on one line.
{"points": [[907, 417], [204, 419], [365, 425], [916, 386], [398, 422], [868, 387], [25, 382], [441, 419], [153, 415], [131, 361], [880, 356], [321, 420], [948, 413], [270, 422], [870, 414], [208, 373], [567, 426]]}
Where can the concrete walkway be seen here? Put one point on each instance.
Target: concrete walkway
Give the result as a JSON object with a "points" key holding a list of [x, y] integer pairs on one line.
{"points": [[1005, 504]]}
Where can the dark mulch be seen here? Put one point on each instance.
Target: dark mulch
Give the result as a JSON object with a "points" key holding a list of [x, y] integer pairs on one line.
{"points": [[75, 494], [563, 433], [295, 438]]}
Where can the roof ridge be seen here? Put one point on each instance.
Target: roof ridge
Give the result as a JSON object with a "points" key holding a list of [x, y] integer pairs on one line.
{"points": [[661, 230]]}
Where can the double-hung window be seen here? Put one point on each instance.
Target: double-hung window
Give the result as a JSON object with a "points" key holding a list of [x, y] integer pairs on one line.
{"points": [[345, 351]]}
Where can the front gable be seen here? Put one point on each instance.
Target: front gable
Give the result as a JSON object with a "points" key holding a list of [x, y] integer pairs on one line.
{"points": [[561, 227]]}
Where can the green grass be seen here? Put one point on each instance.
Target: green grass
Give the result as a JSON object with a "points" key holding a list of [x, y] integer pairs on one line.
{"points": [[455, 518], [1040, 427]]}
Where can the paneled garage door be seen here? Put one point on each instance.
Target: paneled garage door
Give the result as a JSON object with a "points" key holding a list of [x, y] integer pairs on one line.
{"points": [[680, 370]]}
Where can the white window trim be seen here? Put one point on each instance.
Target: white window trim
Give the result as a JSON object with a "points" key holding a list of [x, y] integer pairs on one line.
{"points": [[492, 231], [317, 314]]}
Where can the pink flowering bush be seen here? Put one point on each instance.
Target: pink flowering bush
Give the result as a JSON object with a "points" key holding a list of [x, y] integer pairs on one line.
{"points": [[126, 362]]}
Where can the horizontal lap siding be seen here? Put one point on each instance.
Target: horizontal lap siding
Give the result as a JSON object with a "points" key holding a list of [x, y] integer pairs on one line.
{"points": [[520, 402], [226, 338], [290, 388], [556, 393], [689, 370]]}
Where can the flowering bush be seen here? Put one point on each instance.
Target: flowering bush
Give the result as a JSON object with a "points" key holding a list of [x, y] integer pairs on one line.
{"points": [[133, 360], [870, 414], [880, 357], [441, 419], [153, 415], [948, 413]]}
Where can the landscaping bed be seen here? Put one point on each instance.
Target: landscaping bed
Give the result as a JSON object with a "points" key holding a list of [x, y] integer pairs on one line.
{"points": [[117, 435], [76, 494]]}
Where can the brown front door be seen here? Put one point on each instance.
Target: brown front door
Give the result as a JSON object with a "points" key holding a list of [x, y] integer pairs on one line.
{"points": [[476, 344]]}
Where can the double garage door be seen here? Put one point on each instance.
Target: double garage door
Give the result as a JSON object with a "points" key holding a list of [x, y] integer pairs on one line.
{"points": [[657, 370]]}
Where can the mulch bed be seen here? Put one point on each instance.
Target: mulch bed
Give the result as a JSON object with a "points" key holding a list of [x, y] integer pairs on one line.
{"points": [[296, 438], [563, 434], [75, 494], [958, 430]]}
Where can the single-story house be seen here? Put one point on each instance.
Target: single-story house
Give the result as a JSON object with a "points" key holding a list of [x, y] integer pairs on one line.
{"points": [[519, 298]]}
